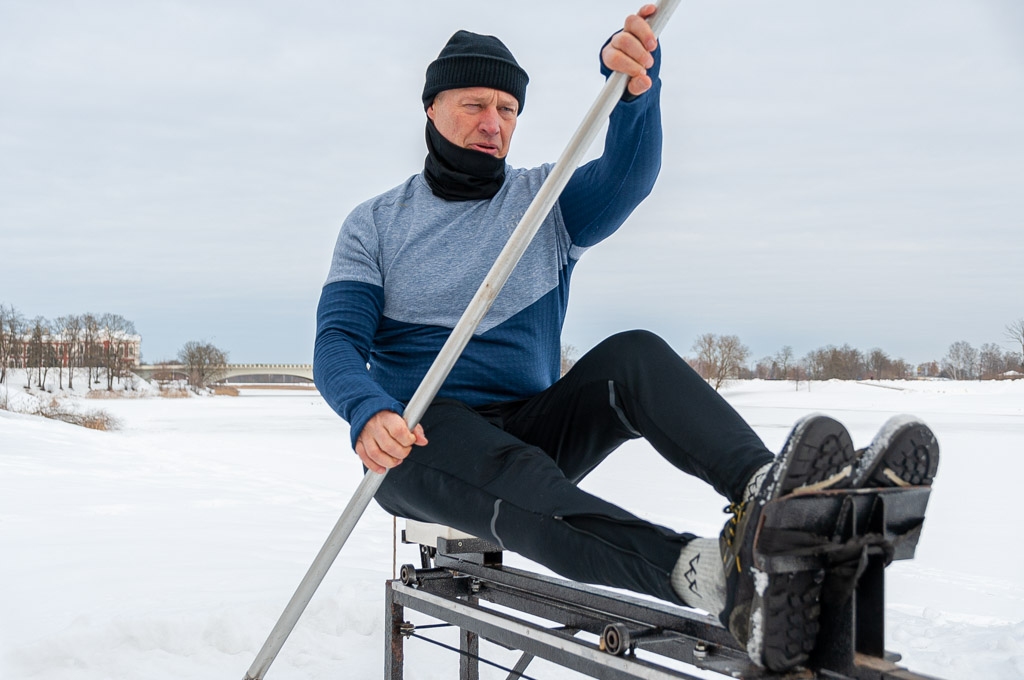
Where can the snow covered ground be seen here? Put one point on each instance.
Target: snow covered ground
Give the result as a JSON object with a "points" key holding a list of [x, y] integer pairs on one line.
{"points": [[168, 549]]}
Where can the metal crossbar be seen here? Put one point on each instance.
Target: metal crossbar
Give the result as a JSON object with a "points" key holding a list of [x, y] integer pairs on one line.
{"points": [[514, 673]]}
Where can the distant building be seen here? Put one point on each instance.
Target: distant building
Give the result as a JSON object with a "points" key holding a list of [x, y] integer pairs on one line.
{"points": [[57, 351]]}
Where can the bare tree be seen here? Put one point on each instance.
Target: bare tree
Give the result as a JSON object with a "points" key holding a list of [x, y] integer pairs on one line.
{"points": [[69, 328], [39, 357], [59, 349], [63, 348], [765, 368], [204, 362], [831, 362], [814, 364], [704, 346], [719, 357], [901, 369], [118, 333], [12, 331], [799, 373], [992, 361], [847, 363], [784, 359], [1015, 334], [961, 362], [879, 364], [90, 348], [568, 357], [775, 367]]}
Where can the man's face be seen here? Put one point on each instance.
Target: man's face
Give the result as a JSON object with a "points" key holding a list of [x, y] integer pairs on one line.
{"points": [[478, 118]]}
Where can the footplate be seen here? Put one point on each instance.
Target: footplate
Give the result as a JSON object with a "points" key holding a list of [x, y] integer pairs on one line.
{"points": [[809, 531]]}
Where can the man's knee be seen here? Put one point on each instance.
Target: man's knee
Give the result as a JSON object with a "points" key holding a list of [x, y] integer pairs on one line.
{"points": [[640, 343], [631, 350]]}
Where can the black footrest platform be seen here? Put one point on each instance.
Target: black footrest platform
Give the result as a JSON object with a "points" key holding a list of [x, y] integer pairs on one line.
{"points": [[811, 531]]}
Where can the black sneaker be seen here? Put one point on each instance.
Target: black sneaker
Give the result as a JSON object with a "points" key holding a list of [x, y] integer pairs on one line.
{"points": [[903, 453], [776, 615]]}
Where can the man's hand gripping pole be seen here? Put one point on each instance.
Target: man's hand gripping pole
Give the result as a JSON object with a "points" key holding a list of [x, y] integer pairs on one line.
{"points": [[457, 341]]}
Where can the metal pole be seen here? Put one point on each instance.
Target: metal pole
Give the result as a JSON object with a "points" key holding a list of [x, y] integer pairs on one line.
{"points": [[457, 341]]}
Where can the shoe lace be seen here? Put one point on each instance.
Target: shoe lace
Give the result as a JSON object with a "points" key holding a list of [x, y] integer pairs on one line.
{"points": [[736, 510]]}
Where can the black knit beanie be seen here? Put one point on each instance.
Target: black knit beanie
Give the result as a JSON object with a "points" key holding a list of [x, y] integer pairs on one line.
{"points": [[472, 60]]}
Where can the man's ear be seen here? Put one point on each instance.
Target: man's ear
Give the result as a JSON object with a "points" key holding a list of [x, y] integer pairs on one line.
{"points": [[430, 111]]}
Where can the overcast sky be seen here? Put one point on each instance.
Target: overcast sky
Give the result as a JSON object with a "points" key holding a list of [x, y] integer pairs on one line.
{"points": [[834, 172]]}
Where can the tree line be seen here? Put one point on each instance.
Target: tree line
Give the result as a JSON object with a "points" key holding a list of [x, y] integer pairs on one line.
{"points": [[102, 344], [722, 357], [108, 345]]}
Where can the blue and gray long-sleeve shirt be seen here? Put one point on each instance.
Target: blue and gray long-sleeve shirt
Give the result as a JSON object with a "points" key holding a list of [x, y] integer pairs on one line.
{"points": [[407, 263]]}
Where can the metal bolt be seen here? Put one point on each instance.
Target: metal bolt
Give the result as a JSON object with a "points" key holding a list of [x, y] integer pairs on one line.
{"points": [[700, 650], [406, 628]]}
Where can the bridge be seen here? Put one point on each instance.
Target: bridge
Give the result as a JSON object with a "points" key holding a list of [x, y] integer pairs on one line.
{"points": [[180, 371]]}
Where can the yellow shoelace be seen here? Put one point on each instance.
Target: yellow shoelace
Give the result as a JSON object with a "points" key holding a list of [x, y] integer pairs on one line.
{"points": [[737, 510]]}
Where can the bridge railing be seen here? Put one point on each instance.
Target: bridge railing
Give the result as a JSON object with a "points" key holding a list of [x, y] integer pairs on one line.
{"points": [[230, 370]]}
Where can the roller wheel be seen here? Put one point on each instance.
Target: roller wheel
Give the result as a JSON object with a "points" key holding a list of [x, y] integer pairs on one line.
{"points": [[408, 574], [615, 639]]}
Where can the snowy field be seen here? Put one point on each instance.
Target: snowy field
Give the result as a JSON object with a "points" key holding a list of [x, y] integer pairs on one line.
{"points": [[168, 549]]}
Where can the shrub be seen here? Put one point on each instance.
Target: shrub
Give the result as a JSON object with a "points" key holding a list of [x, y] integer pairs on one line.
{"points": [[173, 392], [100, 420], [94, 420], [107, 394]]}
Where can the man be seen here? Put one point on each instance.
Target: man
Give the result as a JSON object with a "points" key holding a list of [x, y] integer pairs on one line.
{"points": [[501, 450]]}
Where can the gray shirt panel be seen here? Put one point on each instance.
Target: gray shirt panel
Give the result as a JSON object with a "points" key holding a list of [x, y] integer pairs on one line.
{"points": [[431, 255]]}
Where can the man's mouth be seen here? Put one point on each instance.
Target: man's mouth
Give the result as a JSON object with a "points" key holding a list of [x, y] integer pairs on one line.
{"points": [[489, 149]]}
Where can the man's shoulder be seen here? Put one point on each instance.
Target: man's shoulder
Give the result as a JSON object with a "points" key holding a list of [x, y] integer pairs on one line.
{"points": [[395, 194], [367, 213]]}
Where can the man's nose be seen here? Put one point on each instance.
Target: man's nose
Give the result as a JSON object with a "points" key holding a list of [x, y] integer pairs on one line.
{"points": [[490, 121]]}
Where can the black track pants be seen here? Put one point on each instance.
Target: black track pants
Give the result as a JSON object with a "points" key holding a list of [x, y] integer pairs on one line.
{"points": [[508, 472]]}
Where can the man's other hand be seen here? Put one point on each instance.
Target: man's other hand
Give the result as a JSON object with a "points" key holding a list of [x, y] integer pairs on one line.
{"points": [[629, 50], [386, 440]]}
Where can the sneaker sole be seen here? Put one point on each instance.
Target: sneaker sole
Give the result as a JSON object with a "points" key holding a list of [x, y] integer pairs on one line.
{"points": [[903, 453], [784, 613], [818, 455], [790, 610]]}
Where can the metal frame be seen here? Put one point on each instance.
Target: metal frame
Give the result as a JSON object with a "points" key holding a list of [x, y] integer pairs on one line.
{"points": [[645, 639]]}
